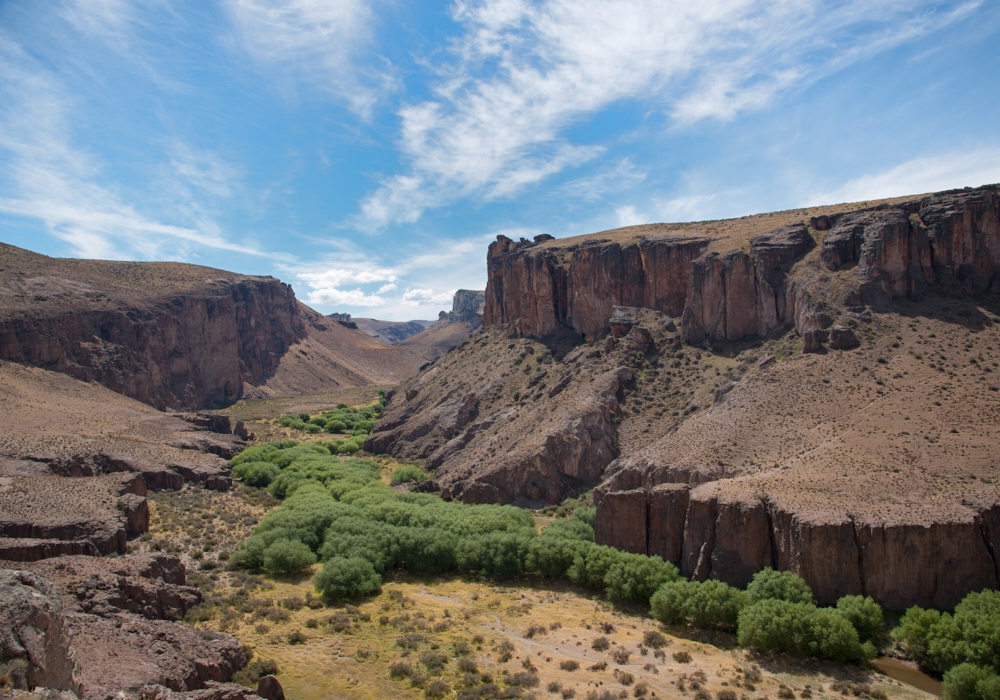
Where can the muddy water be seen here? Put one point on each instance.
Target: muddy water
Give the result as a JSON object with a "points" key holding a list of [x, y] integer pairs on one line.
{"points": [[901, 672]]}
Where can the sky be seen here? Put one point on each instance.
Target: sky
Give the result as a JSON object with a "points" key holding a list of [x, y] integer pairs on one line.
{"points": [[368, 152]]}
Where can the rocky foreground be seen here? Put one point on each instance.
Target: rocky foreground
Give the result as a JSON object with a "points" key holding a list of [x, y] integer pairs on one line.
{"points": [[813, 390]]}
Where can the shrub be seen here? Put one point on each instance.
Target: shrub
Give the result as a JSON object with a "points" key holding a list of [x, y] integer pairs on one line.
{"points": [[335, 426], [467, 666], [970, 682], [635, 577], [913, 629], [972, 634], [708, 604], [654, 639], [400, 669], [600, 644], [261, 474], [409, 472], [773, 624], [287, 556], [437, 689], [864, 613], [778, 585], [569, 665], [346, 578], [620, 656]]}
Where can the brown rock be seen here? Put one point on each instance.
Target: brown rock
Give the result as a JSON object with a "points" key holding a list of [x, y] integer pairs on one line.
{"points": [[813, 340], [668, 505], [270, 688], [621, 520], [843, 338]]}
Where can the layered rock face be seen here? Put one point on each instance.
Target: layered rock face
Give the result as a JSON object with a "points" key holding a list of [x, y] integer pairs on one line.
{"points": [[184, 351], [103, 628], [952, 239], [543, 289]]}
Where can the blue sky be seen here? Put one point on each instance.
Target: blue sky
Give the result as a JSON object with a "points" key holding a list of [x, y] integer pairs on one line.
{"points": [[367, 152]]}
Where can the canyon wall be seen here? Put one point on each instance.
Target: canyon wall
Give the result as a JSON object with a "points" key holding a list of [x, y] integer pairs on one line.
{"points": [[543, 289], [898, 249], [711, 532], [183, 351]]}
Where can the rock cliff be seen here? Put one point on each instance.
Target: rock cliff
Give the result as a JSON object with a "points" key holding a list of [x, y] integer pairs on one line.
{"points": [[811, 390], [171, 336]]}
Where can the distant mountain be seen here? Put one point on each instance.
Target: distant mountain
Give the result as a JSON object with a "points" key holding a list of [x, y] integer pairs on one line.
{"points": [[389, 331], [452, 327]]}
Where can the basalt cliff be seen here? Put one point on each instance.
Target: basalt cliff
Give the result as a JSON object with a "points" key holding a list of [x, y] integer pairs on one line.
{"points": [[177, 336], [813, 390]]}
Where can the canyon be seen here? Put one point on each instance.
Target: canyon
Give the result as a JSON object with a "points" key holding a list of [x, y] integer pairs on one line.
{"points": [[810, 390]]}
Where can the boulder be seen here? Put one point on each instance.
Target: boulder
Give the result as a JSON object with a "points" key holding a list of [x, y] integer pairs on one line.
{"points": [[813, 340], [270, 688], [843, 338]]}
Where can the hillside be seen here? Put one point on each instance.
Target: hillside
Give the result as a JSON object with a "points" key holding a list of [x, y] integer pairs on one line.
{"points": [[821, 397], [391, 331], [179, 336], [452, 327]]}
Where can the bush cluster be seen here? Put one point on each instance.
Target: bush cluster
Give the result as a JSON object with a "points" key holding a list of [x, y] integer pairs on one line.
{"points": [[338, 511], [358, 422], [776, 613], [965, 646]]}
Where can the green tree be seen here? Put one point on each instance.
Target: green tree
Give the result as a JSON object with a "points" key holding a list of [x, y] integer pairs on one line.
{"points": [[343, 578], [913, 630], [778, 585], [772, 624], [287, 556], [862, 612], [635, 577], [970, 682], [669, 603]]}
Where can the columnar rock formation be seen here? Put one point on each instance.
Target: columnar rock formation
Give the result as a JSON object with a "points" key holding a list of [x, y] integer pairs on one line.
{"points": [[730, 293], [842, 424]]}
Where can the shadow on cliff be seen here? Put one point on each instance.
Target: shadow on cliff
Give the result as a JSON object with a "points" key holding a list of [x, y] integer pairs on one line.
{"points": [[961, 311]]}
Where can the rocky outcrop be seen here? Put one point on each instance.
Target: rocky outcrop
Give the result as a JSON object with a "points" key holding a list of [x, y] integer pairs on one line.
{"points": [[735, 295], [108, 633], [179, 348], [711, 534], [150, 585], [32, 627], [543, 289], [98, 513]]}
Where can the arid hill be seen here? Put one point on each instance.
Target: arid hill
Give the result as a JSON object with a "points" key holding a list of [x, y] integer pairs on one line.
{"points": [[391, 331], [177, 336], [813, 390], [452, 327]]}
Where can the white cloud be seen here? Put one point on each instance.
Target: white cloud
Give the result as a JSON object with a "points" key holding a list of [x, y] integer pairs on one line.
{"points": [[315, 42], [46, 177], [621, 178], [386, 288], [523, 72], [628, 216], [427, 297], [920, 175], [344, 297]]}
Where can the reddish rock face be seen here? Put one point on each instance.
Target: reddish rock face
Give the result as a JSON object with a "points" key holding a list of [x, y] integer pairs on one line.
{"points": [[186, 351], [543, 291], [622, 522]]}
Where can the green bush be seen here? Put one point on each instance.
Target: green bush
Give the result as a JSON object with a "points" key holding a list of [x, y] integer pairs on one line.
{"points": [[287, 556], [970, 682], [778, 585], [261, 474], [336, 426], [913, 630], [409, 472], [591, 565], [635, 577], [862, 612], [707, 605], [346, 578], [772, 624]]}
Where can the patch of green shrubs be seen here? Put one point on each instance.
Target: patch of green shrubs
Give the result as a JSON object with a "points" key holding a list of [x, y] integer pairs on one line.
{"points": [[964, 645], [409, 472], [339, 512], [777, 612], [359, 422]]}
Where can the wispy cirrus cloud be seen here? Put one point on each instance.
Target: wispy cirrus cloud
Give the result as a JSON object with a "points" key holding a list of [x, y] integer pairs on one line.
{"points": [[46, 177], [923, 174], [315, 43], [521, 73]]}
